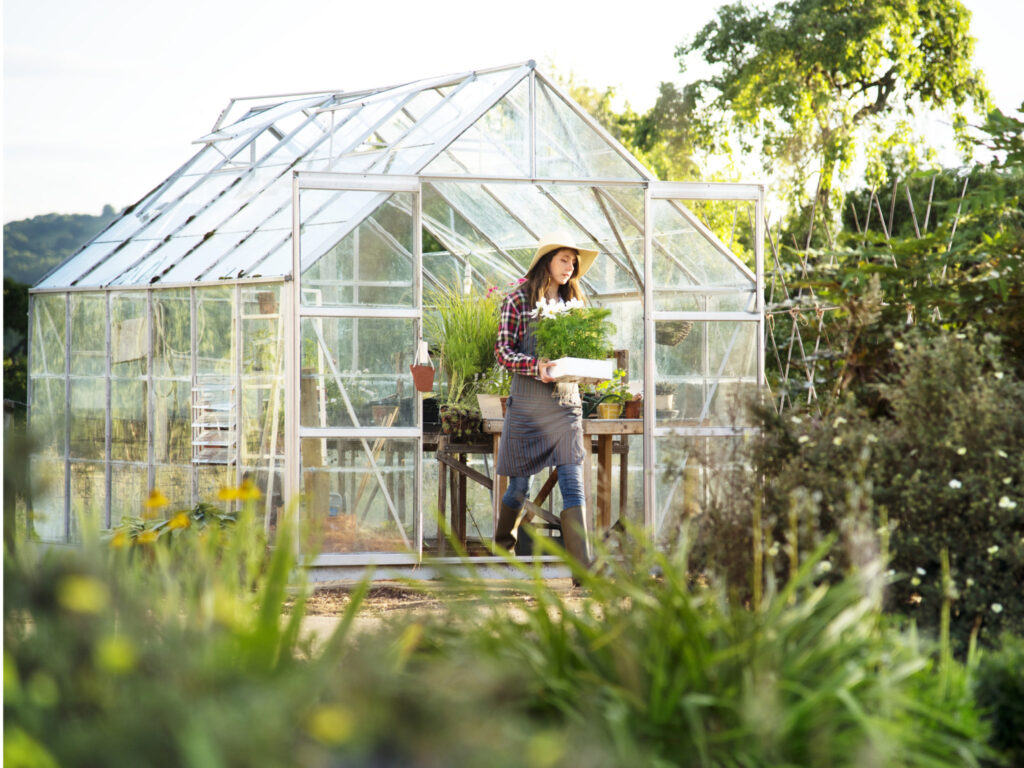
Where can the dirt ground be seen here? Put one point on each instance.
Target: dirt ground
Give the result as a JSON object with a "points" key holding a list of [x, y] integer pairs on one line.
{"points": [[386, 600]]}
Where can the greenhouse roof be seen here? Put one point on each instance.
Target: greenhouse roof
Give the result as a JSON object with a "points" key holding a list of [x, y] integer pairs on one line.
{"points": [[226, 214]]}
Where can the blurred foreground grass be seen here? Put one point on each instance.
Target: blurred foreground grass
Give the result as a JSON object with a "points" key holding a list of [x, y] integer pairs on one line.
{"points": [[184, 649]]}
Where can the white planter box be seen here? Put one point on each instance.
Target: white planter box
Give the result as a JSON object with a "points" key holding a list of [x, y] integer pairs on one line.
{"points": [[490, 406], [582, 369]]}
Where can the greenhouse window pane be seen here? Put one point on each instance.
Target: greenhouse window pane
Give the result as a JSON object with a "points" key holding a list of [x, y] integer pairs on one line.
{"points": [[568, 148], [371, 266], [89, 491], [129, 489], [78, 265], [373, 385], [172, 333], [497, 144], [88, 334], [129, 334], [175, 481], [172, 421], [88, 418], [710, 368], [47, 520], [112, 268], [212, 479], [48, 409], [175, 214], [248, 258], [359, 496], [129, 440], [49, 323], [157, 261], [215, 314]]}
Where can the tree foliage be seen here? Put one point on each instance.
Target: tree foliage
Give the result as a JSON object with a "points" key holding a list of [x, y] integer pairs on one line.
{"points": [[803, 78], [32, 247]]}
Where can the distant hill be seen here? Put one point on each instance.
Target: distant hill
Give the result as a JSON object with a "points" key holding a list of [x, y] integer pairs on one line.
{"points": [[32, 247]]}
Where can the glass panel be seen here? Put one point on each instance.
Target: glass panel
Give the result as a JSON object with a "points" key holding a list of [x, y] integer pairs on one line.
{"points": [[78, 265], [361, 493], [176, 483], [684, 257], [474, 202], [245, 188], [262, 435], [497, 144], [129, 440], [678, 482], [705, 371], [47, 517], [371, 266], [194, 266], [48, 410], [172, 335], [48, 326], [88, 418], [89, 491], [129, 334], [248, 257], [568, 148], [176, 214], [157, 261], [373, 385], [129, 489], [213, 479], [172, 421], [215, 311], [130, 253]]}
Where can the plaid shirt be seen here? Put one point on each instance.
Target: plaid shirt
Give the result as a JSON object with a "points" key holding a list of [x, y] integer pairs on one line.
{"points": [[511, 332]]}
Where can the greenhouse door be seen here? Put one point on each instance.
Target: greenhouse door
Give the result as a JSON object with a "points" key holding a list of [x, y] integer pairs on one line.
{"points": [[704, 338], [353, 416]]}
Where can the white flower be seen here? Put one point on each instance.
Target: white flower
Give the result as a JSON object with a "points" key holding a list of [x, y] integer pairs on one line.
{"points": [[796, 419], [1001, 453], [954, 484], [997, 608], [970, 582], [774, 550], [961, 335], [1006, 503], [920, 571], [837, 441], [897, 345], [803, 439], [838, 420], [993, 549], [999, 374], [961, 451], [871, 438], [574, 304], [824, 566], [1007, 480]]}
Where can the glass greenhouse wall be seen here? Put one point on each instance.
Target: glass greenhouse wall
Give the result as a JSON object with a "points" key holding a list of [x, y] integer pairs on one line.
{"points": [[255, 316]]}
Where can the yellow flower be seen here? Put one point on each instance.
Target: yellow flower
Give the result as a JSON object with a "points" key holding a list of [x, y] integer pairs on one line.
{"points": [[83, 594], [119, 541], [156, 499], [147, 537], [247, 491], [180, 520]]}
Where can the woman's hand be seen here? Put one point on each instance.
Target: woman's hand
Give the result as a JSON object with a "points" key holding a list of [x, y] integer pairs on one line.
{"points": [[543, 366]]}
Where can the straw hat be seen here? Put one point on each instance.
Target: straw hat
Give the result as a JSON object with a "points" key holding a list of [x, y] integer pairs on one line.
{"points": [[554, 241]]}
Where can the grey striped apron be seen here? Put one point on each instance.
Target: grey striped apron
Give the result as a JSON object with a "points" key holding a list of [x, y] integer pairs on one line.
{"points": [[543, 423]]}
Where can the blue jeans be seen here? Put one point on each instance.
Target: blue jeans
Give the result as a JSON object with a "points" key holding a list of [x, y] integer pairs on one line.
{"points": [[570, 483]]}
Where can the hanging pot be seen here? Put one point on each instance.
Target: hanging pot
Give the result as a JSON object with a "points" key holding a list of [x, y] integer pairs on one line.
{"points": [[422, 369]]}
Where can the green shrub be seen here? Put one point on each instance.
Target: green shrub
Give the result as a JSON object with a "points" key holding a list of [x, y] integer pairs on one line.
{"points": [[999, 691], [942, 470], [577, 332]]}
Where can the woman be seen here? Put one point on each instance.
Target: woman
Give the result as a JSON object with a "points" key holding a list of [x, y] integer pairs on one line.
{"points": [[543, 423]]}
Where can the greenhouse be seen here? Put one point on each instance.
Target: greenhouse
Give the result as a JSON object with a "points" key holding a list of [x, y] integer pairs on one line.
{"points": [[255, 316]]}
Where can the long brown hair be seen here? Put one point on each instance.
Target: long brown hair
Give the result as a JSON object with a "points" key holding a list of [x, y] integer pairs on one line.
{"points": [[537, 279]]}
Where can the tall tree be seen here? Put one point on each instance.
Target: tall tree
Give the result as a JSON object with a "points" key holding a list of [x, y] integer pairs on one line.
{"points": [[805, 78]]}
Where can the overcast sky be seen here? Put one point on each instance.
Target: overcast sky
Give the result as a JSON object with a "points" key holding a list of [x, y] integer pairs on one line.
{"points": [[103, 98]]}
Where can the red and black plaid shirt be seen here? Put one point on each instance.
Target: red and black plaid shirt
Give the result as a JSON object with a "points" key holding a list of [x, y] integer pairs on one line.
{"points": [[511, 331]]}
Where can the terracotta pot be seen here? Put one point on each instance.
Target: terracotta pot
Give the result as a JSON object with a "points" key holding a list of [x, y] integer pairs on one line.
{"points": [[609, 410], [422, 377], [633, 409]]}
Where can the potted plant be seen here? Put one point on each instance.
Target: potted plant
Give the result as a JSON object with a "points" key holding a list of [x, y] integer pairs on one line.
{"points": [[664, 395], [493, 398], [462, 327], [577, 338], [613, 394]]}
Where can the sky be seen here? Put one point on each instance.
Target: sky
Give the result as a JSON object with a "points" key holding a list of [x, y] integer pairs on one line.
{"points": [[102, 99]]}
